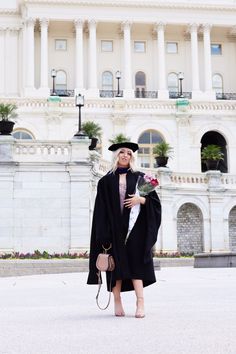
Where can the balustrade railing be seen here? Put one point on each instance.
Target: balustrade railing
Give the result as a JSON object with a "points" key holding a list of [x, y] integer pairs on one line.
{"points": [[225, 96], [146, 94], [110, 93], [63, 93], [173, 94], [31, 151]]}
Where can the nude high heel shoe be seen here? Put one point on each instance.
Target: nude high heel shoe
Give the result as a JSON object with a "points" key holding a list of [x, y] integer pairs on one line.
{"points": [[140, 308]]}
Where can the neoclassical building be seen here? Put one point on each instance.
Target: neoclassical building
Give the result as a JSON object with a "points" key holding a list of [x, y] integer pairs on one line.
{"points": [[152, 70]]}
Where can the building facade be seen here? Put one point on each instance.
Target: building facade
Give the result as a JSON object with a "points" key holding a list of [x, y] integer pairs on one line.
{"points": [[152, 70]]}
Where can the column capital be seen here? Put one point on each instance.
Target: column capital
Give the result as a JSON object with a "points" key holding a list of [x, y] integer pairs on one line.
{"points": [[30, 21], [92, 23], [78, 23], [44, 22], [159, 26], [125, 25], [206, 27], [193, 27]]}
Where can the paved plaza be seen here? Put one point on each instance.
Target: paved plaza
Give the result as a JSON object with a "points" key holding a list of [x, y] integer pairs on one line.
{"points": [[188, 311]]}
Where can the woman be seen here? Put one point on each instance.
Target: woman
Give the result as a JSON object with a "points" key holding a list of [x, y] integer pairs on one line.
{"points": [[131, 249]]}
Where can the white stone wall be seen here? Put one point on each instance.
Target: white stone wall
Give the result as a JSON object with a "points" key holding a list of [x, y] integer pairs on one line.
{"points": [[45, 201], [48, 191]]}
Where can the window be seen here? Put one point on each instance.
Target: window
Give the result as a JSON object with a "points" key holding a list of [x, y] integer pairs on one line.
{"points": [[107, 81], [217, 83], [61, 80], [216, 49], [172, 81], [172, 47], [140, 84], [107, 46], [21, 134], [60, 44], [146, 143], [139, 47]]}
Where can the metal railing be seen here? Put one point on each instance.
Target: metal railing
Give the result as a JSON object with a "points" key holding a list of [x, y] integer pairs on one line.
{"points": [[110, 93], [146, 94], [173, 94], [63, 93], [225, 96]]}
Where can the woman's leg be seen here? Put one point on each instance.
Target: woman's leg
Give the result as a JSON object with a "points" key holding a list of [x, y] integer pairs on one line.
{"points": [[119, 311], [138, 288]]}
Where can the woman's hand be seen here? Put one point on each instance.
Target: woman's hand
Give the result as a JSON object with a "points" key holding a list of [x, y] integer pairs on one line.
{"points": [[133, 200]]}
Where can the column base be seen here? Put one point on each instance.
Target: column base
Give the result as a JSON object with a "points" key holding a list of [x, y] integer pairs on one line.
{"points": [[128, 93], [80, 90], [92, 93], [163, 94], [198, 95], [30, 92], [43, 92], [209, 95]]}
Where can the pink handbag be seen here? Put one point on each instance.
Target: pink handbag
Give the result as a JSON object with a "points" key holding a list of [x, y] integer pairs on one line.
{"points": [[104, 263]]}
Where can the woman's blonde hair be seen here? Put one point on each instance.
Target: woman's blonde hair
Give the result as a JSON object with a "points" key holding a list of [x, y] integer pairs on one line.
{"points": [[116, 159]]}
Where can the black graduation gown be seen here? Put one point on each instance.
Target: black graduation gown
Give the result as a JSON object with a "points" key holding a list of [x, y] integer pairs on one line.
{"points": [[133, 260]]}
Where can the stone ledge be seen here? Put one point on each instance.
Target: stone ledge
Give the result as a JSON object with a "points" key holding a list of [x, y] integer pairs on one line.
{"points": [[215, 260], [20, 267]]}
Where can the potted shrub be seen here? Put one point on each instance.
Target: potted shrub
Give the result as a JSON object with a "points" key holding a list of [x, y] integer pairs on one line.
{"points": [[7, 111], [119, 138], [93, 131], [211, 156], [162, 152]]}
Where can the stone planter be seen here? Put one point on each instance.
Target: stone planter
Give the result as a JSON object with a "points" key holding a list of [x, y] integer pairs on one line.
{"points": [[6, 127], [93, 144], [212, 164], [161, 161]]}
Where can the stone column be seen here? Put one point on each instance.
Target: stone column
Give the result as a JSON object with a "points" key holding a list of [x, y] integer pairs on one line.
{"points": [[167, 238], [22, 61], [127, 78], [207, 62], [162, 90], [2, 61], [194, 60], [216, 209], [7, 173], [30, 88], [80, 201], [93, 89], [79, 55], [6, 66], [44, 89]]}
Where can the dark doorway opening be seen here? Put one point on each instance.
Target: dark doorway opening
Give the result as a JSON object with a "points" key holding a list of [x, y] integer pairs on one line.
{"points": [[215, 138]]}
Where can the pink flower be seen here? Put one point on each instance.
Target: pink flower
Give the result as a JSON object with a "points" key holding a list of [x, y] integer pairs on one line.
{"points": [[146, 184]]}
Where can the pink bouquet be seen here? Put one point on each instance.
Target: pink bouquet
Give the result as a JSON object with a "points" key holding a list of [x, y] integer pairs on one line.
{"points": [[146, 184]]}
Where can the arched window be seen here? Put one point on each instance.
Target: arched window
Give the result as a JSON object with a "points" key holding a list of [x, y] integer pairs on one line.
{"points": [[22, 134], [140, 84], [217, 83], [61, 80], [147, 141], [107, 81], [189, 229], [172, 81]]}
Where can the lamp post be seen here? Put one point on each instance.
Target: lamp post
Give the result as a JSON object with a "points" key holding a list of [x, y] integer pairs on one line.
{"points": [[79, 102], [180, 78], [53, 75], [118, 76]]}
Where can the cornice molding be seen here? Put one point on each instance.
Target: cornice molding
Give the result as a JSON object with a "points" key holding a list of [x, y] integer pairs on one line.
{"points": [[9, 12], [169, 106], [202, 5]]}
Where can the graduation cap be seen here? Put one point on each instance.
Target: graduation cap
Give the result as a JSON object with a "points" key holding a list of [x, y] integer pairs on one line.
{"points": [[126, 144]]}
